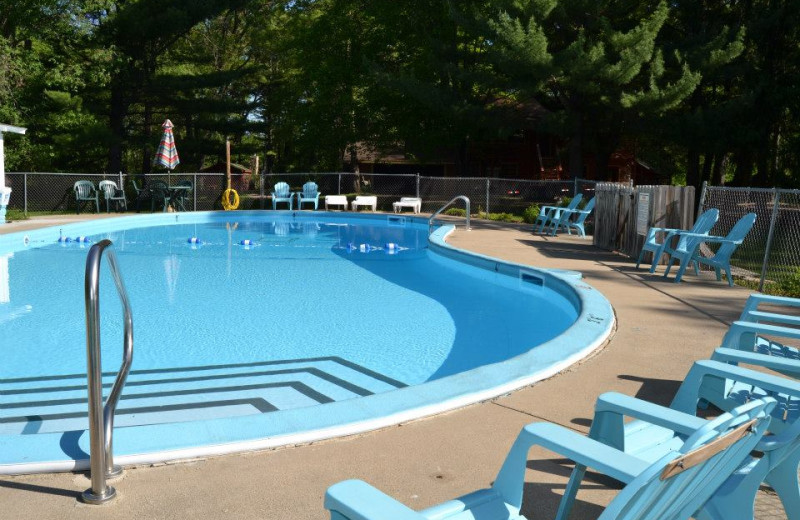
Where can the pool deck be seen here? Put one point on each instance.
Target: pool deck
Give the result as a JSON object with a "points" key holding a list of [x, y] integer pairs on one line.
{"points": [[662, 328]]}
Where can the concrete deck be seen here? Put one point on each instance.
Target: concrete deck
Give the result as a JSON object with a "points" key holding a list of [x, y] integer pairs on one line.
{"points": [[662, 329]]}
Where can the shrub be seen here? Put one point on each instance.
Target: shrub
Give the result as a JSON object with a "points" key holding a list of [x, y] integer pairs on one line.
{"points": [[456, 212], [531, 213], [500, 217]]}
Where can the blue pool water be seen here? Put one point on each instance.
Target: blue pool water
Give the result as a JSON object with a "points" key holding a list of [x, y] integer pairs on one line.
{"points": [[318, 310]]}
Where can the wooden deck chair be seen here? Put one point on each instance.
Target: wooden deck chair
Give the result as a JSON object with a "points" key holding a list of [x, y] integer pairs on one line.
{"points": [[671, 487], [702, 226]]}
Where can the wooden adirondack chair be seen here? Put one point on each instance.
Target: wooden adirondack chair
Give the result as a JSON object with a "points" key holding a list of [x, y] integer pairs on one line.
{"points": [[281, 193], [688, 250], [702, 226], [671, 488]]}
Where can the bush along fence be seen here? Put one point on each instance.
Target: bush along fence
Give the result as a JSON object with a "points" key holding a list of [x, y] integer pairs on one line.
{"points": [[494, 198], [769, 258]]}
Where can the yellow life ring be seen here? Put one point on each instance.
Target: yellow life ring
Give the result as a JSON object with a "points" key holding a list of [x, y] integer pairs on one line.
{"points": [[230, 199]]}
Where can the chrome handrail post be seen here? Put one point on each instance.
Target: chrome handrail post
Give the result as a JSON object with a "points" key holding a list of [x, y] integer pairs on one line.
{"points": [[436, 213], [99, 492], [127, 358], [101, 418]]}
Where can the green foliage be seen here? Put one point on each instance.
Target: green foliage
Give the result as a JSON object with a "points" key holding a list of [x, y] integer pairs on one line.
{"points": [[456, 212], [531, 213], [500, 217]]}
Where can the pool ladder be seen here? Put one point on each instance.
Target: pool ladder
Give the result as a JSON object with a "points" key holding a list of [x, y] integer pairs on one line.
{"points": [[436, 213], [101, 417]]}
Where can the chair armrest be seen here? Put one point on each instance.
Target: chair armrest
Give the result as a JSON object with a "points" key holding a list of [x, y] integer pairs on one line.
{"points": [[740, 334], [777, 363], [689, 393], [751, 312], [357, 500], [583, 450], [612, 404]]}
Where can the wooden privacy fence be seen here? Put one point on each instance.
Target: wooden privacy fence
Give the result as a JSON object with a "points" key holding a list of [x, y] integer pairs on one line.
{"points": [[617, 214]]}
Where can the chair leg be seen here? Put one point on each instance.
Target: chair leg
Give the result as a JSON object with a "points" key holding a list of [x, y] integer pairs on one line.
{"points": [[657, 257], [574, 484], [728, 274], [641, 256], [783, 479]]}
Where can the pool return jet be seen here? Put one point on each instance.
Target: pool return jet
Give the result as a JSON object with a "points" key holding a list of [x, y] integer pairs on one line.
{"points": [[5, 193]]}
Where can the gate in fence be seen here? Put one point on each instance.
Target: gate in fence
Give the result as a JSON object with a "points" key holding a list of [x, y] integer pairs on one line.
{"points": [[621, 224]]}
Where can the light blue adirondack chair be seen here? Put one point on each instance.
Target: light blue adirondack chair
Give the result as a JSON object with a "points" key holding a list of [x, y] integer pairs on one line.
{"points": [[702, 226], [670, 487], [688, 250], [113, 194], [765, 340], [565, 219], [309, 194], [281, 193], [650, 435], [85, 193], [550, 213]]}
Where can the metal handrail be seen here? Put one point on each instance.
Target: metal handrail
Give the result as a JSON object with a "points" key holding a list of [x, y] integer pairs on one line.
{"points": [[101, 417], [436, 213]]}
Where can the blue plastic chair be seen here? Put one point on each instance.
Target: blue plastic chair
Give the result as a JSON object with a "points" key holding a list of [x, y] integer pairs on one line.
{"points": [[564, 219], [281, 193], [113, 194], [85, 192], [550, 213], [650, 436], [702, 226], [671, 487], [309, 194], [688, 250]]}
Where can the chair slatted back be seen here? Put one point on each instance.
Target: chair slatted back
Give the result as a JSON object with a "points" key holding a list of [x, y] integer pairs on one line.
{"points": [[281, 190], [586, 211], [310, 190], [710, 455], [737, 235], [84, 190], [109, 188]]}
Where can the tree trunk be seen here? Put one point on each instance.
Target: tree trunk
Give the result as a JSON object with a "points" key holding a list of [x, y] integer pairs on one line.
{"points": [[602, 157], [116, 117], [744, 168], [147, 155], [708, 161], [716, 173], [576, 148]]}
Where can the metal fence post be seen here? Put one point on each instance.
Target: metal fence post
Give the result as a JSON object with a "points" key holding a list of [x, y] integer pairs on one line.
{"points": [[194, 191], [487, 196], [772, 221], [417, 184], [702, 199], [575, 188], [339, 191], [25, 193]]}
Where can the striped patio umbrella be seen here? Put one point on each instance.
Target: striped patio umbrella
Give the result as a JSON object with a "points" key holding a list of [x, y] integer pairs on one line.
{"points": [[167, 154]]}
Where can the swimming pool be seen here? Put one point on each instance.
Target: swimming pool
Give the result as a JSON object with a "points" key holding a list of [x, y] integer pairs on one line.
{"points": [[271, 328]]}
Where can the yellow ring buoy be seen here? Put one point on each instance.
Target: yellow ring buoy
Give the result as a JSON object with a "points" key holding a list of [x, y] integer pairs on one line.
{"points": [[230, 199]]}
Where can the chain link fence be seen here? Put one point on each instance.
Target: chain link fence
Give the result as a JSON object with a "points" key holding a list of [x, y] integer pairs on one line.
{"points": [[53, 192], [770, 254]]}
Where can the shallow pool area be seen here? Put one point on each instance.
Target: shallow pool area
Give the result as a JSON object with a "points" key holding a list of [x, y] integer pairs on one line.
{"points": [[268, 329]]}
